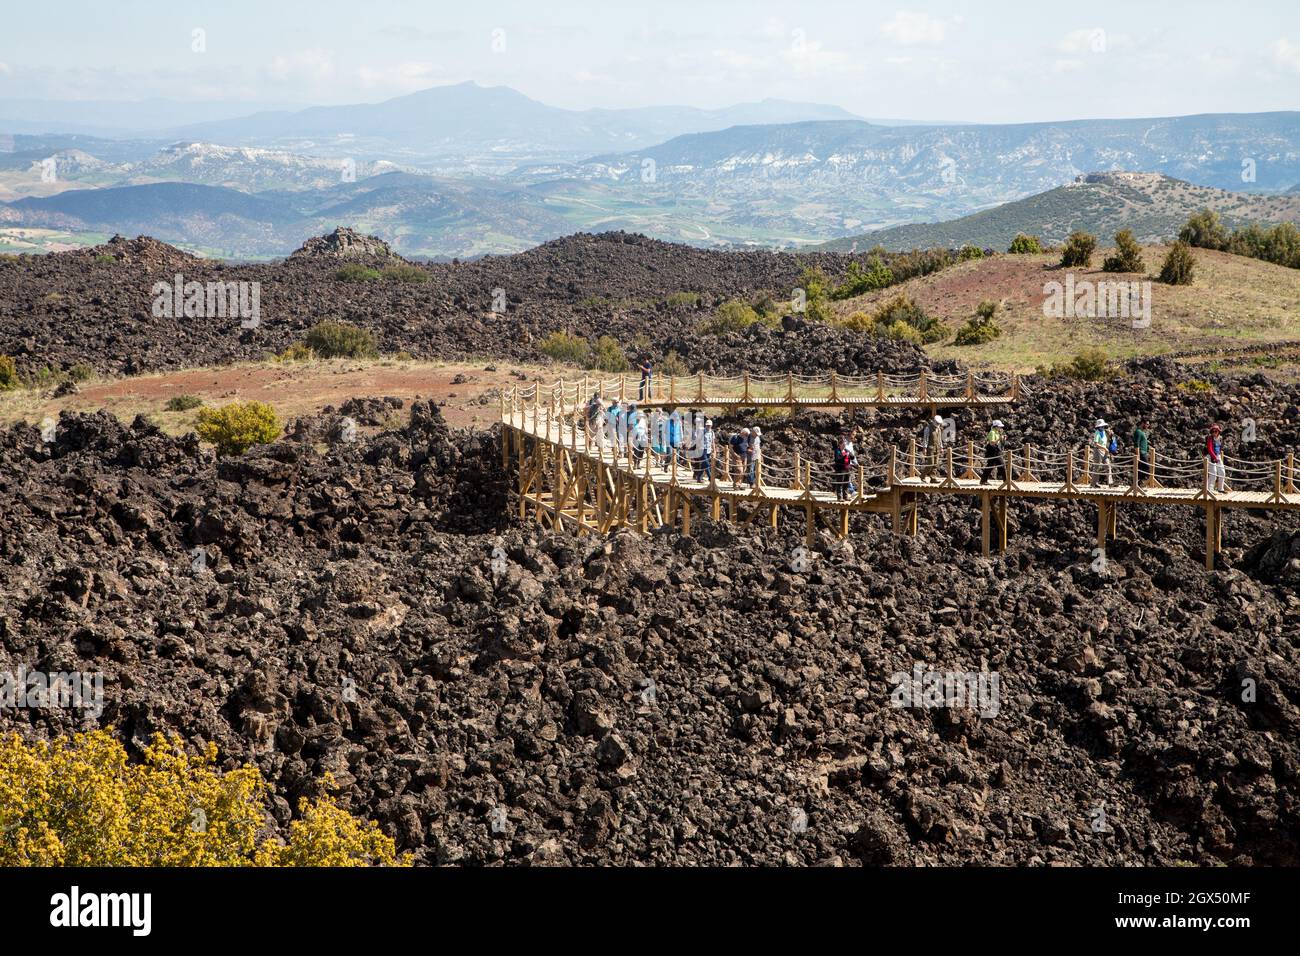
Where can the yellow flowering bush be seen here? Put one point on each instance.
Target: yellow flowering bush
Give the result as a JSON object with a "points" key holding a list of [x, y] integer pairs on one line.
{"points": [[79, 802]]}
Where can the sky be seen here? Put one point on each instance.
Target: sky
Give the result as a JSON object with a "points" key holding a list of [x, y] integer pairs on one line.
{"points": [[984, 61]]}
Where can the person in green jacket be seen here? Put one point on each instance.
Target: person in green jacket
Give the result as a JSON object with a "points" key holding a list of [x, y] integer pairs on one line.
{"points": [[1142, 448]]}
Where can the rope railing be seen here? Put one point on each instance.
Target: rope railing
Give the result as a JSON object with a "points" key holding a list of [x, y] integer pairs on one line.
{"points": [[560, 413]]}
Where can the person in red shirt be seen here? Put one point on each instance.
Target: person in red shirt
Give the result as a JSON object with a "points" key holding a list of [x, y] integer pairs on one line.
{"points": [[1217, 475]]}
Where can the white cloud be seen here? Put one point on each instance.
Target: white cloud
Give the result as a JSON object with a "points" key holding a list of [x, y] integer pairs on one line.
{"points": [[400, 77], [312, 65], [912, 28], [1286, 55]]}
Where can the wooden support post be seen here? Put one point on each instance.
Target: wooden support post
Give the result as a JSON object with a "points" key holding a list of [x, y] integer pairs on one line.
{"points": [[985, 505], [880, 387], [798, 473], [622, 390], [862, 482], [699, 390], [970, 473], [914, 516], [893, 466], [789, 387], [1211, 538], [744, 395], [911, 459], [773, 515], [810, 522], [844, 523], [686, 515], [1290, 473], [970, 385], [1103, 522], [1069, 470], [1005, 504], [923, 393], [834, 386], [1015, 387]]}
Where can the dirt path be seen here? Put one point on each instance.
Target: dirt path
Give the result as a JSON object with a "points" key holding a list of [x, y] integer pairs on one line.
{"points": [[468, 391]]}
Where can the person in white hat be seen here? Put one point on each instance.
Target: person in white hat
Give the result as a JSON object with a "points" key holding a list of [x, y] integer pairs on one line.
{"points": [[931, 447], [755, 454], [1099, 452], [994, 463]]}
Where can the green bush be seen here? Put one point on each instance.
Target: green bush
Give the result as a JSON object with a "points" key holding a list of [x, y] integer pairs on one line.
{"points": [[1128, 254], [564, 347], [673, 366], [1024, 245], [298, 352], [1090, 365], [899, 318], [733, 315], [980, 328], [816, 297], [859, 280], [1204, 230], [689, 300], [334, 339], [183, 403], [969, 252], [1078, 250], [356, 272], [9, 379], [81, 372], [608, 356], [236, 427], [1179, 265], [406, 273]]}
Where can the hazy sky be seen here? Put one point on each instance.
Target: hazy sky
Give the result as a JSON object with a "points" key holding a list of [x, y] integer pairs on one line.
{"points": [[985, 60]]}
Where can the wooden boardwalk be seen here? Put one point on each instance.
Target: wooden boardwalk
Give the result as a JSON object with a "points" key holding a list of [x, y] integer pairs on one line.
{"points": [[577, 474]]}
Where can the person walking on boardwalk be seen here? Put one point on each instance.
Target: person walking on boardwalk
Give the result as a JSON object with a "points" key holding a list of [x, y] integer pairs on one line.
{"points": [[614, 425], [740, 454], [1142, 448], [841, 468], [595, 418], [1099, 452], [702, 463], [755, 455], [995, 466], [1217, 475], [647, 377], [639, 436], [851, 448], [674, 432], [931, 447]]}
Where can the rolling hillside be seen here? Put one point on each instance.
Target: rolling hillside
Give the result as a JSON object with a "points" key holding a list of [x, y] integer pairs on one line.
{"points": [[1153, 206]]}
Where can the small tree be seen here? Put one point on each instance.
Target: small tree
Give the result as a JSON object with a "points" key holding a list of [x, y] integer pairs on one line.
{"points": [[816, 298], [1205, 230], [732, 316], [980, 328], [1128, 254], [334, 339], [608, 356], [1078, 249], [566, 347], [236, 427], [968, 252], [8, 374], [1179, 265], [1024, 245]]}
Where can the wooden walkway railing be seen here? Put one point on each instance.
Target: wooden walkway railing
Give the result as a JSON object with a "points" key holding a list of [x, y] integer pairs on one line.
{"points": [[582, 471]]}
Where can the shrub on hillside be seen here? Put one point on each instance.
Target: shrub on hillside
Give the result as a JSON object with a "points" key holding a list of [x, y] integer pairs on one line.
{"points": [[899, 318], [183, 403], [1078, 249], [672, 365], [8, 374], [608, 356], [80, 372], [356, 272], [298, 352], [334, 339], [1090, 365], [1179, 265], [816, 295], [734, 315], [566, 347], [980, 328], [80, 801], [858, 280], [1024, 245], [236, 427], [688, 300], [1128, 254], [1204, 230], [969, 252], [406, 273]]}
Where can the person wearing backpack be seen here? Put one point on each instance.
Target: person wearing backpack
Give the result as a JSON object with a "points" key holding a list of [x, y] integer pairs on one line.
{"points": [[841, 466], [1217, 474], [1142, 448], [931, 448], [1099, 452], [994, 463], [740, 455]]}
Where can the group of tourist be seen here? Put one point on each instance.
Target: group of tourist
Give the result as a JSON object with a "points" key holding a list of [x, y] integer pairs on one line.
{"points": [[668, 434], [1102, 448]]}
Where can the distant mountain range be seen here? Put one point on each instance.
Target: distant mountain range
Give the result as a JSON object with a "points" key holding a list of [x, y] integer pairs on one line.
{"points": [[466, 169], [1154, 207]]}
